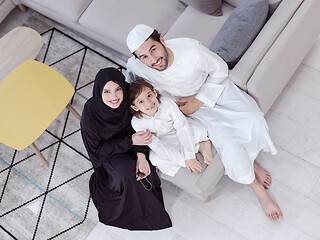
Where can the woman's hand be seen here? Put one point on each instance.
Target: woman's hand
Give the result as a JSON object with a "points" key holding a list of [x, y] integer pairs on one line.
{"points": [[142, 138], [142, 166]]}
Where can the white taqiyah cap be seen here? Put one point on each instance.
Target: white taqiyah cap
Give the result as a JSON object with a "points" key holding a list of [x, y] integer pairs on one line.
{"points": [[138, 35]]}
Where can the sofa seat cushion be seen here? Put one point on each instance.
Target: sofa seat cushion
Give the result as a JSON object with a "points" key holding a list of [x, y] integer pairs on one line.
{"points": [[238, 32], [114, 19], [69, 9], [197, 25]]}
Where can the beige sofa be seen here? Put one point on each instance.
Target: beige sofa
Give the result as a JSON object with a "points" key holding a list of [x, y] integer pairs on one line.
{"points": [[263, 71]]}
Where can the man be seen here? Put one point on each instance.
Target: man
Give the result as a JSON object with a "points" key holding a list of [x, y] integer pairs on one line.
{"points": [[198, 79]]}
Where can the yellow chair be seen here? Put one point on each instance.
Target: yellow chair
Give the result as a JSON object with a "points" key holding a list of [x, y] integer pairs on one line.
{"points": [[31, 98]]}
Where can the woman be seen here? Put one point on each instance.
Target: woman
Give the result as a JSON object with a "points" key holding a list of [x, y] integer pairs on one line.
{"points": [[122, 198]]}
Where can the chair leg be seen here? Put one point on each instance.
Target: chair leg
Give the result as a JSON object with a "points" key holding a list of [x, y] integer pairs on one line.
{"points": [[39, 154], [73, 111], [23, 8]]}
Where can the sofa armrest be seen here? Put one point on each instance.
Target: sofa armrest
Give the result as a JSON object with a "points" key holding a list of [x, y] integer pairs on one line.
{"points": [[210, 178], [286, 54], [202, 185], [5, 8], [248, 63]]}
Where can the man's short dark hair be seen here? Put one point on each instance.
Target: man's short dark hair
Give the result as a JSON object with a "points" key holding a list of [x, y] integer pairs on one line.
{"points": [[155, 35]]}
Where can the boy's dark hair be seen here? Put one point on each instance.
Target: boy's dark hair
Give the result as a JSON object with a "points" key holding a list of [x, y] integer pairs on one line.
{"points": [[155, 35], [136, 87]]}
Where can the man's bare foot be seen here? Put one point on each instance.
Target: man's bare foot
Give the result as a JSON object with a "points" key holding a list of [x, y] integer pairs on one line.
{"points": [[263, 176], [206, 151], [270, 208]]}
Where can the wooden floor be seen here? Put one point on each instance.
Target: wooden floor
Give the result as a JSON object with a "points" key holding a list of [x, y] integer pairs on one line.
{"points": [[234, 212]]}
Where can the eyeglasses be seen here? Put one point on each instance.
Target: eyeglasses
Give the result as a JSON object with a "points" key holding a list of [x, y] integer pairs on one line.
{"points": [[149, 184]]}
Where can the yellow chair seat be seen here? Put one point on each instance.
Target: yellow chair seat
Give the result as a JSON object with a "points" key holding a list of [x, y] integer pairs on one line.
{"points": [[31, 98]]}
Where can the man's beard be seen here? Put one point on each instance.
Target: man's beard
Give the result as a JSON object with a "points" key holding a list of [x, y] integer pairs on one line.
{"points": [[165, 60]]}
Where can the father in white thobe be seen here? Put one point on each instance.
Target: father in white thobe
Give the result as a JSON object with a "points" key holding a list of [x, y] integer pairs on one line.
{"points": [[198, 78]]}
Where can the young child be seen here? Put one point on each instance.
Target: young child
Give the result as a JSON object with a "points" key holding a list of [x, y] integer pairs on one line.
{"points": [[175, 139]]}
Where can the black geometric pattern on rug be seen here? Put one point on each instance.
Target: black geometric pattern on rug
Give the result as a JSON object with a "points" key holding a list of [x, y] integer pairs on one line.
{"points": [[65, 135]]}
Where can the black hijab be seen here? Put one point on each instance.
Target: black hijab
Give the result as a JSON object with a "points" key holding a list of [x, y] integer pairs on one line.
{"points": [[100, 117]]}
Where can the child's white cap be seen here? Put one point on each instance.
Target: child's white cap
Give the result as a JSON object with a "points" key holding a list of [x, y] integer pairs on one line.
{"points": [[138, 35]]}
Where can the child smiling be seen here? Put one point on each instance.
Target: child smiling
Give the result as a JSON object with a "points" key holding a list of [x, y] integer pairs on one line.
{"points": [[175, 139]]}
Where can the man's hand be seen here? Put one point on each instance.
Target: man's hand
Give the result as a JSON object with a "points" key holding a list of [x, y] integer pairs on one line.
{"points": [[189, 105], [193, 165], [142, 166]]}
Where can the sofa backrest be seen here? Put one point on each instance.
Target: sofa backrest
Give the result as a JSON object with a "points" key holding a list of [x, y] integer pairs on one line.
{"points": [[113, 20]]}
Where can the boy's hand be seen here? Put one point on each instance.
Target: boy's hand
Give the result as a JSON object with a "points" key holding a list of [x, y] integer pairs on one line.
{"points": [[193, 165]]}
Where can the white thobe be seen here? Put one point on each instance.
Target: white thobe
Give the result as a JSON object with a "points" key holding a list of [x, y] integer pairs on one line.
{"points": [[174, 138], [235, 124], [195, 71]]}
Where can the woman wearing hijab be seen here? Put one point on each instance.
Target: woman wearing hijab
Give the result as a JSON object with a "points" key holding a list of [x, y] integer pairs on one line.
{"points": [[122, 197]]}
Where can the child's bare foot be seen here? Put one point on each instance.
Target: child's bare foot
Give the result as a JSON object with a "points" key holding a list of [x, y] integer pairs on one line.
{"points": [[263, 176], [206, 151], [271, 209]]}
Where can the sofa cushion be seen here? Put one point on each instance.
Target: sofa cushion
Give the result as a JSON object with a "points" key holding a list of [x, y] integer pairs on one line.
{"points": [[272, 3], [239, 31], [212, 7], [234, 3], [193, 23], [70, 9], [114, 19]]}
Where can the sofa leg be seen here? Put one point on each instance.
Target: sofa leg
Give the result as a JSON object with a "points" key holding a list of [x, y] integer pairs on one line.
{"points": [[207, 199], [23, 8]]}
